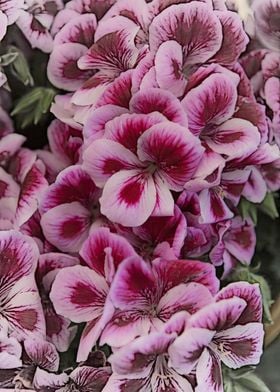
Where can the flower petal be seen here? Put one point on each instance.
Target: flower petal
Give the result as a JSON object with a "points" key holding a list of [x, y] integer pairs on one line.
{"points": [[134, 286], [127, 128], [187, 348], [234, 41], [240, 345], [189, 297], [79, 30], [218, 316], [93, 250], [10, 353], [235, 138], [103, 158], [157, 100], [213, 207], [129, 198], [174, 272], [63, 71], [188, 24], [79, 293], [42, 353], [251, 294], [169, 67], [174, 150], [66, 226], [209, 373], [210, 103]]}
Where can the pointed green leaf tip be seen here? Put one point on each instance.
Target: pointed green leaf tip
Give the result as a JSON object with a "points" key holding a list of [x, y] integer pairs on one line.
{"points": [[33, 105], [268, 206], [20, 67]]}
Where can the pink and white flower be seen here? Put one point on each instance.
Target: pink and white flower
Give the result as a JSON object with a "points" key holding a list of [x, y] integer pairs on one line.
{"points": [[80, 292], [228, 331], [138, 173]]}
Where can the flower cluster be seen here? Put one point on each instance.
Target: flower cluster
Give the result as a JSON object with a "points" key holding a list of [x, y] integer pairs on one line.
{"points": [[118, 238]]}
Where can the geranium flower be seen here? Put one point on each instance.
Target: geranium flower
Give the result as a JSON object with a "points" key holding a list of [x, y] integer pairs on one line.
{"points": [[142, 365], [35, 20], [80, 292], [81, 379], [147, 295], [21, 312], [210, 107], [38, 354], [138, 174], [69, 208], [158, 236], [9, 12], [228, 331], [237, 241]]}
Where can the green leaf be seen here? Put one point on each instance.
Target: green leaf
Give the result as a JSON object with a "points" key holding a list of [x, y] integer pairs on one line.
{"points": [[247, 382], [33, 105], [248, 210], [245, 273], [7, 59], [20, 67], [268, 206]]}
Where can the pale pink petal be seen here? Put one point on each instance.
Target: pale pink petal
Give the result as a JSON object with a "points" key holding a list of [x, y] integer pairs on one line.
{"points": [[79, 30], [63, 71], [190, 297], [3, 25], [210, 103], [234, 41], [79, 293], [118, 92], [134, 286], [114, 52], [157, 100], [32, 188], [127, 128], [136, 358], [185, 352], [23, 309], [240, 345], [124, 327], [67, 226], [128, 198], [164, 200], [163, 377], [93, 250], [10, 353], [255, 189], [218, 316], [235, 138], [173, 150], [103, 158], [169, 68], [240, 240], [209, 373], [94, 127], [251, 294], [188, 24], [86, 377], [266, 14], [213, 207], [72, 185], [42, 353], [9, 145], [49, 381]]}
